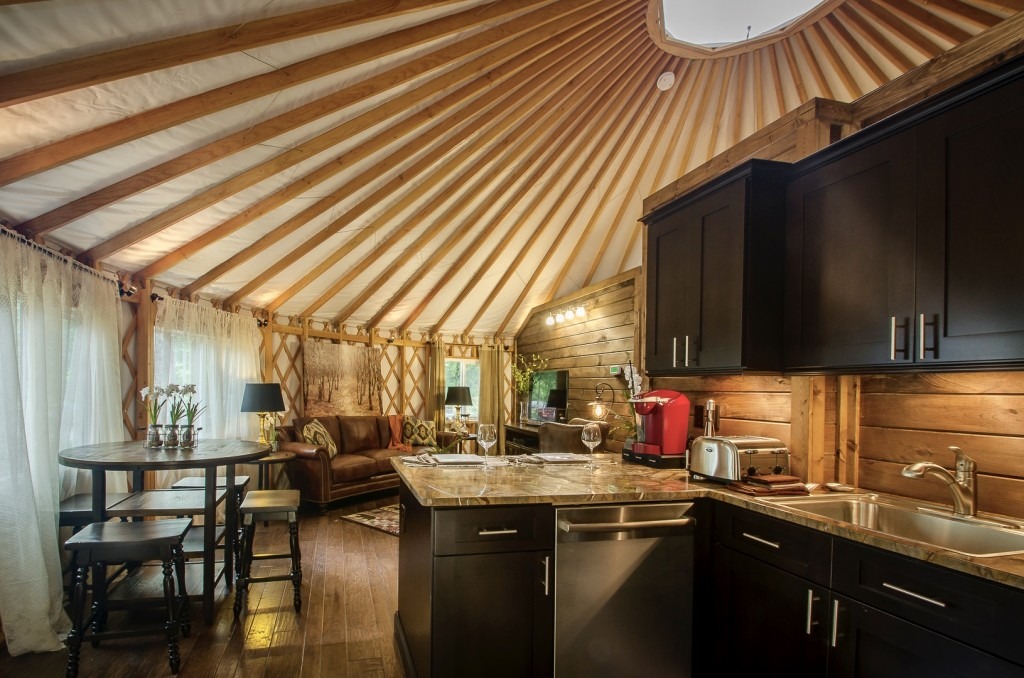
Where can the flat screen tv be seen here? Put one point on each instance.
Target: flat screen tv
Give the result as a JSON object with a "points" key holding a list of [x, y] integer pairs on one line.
{"points": [[548, 390]]}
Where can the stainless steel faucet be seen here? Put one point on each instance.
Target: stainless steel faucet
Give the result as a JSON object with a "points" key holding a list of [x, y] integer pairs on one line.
{"points": [[962, 485]]}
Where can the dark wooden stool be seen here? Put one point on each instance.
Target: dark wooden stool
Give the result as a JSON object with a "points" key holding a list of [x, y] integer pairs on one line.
{"points": [[241, 482], [269, 505], [76, 512], [99, 544]]}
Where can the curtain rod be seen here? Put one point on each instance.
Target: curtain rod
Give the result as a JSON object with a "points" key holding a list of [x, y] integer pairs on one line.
{"points": [[55, 255]]}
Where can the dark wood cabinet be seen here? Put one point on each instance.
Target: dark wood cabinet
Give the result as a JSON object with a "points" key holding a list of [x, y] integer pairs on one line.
{"points": [[472, 598], [714, 275], [904, 241], [521, 439], [790, 601]]}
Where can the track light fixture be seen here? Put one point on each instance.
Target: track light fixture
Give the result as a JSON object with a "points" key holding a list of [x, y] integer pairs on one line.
{"points": [[573, 312]]}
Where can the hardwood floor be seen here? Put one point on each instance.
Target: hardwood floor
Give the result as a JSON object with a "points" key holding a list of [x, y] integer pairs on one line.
{"points": [[349, 598]]}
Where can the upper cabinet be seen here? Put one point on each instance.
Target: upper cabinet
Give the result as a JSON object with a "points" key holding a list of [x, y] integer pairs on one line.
{"points": [[905, 243], [714, 275]]}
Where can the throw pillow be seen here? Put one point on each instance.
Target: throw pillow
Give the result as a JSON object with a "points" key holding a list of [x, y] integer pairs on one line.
{"points": [[418, 432], [315, 433]]}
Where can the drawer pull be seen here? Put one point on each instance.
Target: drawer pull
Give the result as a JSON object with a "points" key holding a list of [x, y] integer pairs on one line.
{"points": [[835, 622], [773, 544], [810, 600], [494, 533], [918, 596], [674, 360], [547, 576]]}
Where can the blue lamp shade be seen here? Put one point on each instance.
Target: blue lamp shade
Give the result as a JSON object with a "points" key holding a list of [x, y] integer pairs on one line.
{"points": [[262, 398]]}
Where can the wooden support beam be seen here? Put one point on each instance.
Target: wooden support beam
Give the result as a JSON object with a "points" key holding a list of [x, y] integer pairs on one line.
{"points": [[847, 443], [807, 428]]}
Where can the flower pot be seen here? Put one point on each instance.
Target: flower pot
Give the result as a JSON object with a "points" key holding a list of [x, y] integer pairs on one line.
{"points": [[170, 435], [153, 438], [186, 436]]}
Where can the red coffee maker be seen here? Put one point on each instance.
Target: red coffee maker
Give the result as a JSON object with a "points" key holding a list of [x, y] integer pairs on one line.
{"points": [[665, 422]]}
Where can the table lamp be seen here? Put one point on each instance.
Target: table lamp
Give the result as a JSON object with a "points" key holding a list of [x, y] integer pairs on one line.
{"points": [[458, 396], [263, 399]]}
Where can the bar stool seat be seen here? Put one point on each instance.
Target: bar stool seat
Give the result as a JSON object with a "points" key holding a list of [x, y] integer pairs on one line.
{"points": [[99, 544], [266, 505], [76, 511], [241, 483]]}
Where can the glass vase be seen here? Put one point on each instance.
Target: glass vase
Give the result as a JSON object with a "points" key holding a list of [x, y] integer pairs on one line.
{"points": [[524, 412], [153, 436], [187, 436], [170, 435]]}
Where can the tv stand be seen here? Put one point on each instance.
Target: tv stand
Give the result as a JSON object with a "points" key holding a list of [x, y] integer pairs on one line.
{"points": [[521, 439]]}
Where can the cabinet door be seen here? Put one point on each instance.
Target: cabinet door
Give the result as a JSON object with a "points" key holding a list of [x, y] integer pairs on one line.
{"points": [[850, 259], [493, 615], [695, 284], [868, 642], [673, 289], [971, 231], [767, 622]]}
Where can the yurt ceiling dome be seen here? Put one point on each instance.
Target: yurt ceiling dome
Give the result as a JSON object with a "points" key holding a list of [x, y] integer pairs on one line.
{"points": [[406, 165]]}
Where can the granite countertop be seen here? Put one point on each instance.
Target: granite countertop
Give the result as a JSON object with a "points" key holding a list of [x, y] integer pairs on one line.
{"points": [[613, 481]]}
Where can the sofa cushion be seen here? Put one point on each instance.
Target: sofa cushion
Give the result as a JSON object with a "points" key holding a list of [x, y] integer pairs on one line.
{"points": [[383, 458], [346, 468], [417, 431], [315, 433], [360, 432]]}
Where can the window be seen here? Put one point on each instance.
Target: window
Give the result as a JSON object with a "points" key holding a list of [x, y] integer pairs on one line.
{"points": [[463, 372]]}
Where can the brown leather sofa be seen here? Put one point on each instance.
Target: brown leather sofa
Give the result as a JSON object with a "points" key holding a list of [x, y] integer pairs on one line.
{"points": [[362, 464]]}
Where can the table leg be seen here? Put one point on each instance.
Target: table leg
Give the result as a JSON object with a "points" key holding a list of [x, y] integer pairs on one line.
{"points": [[230, 528], [209, 543]]}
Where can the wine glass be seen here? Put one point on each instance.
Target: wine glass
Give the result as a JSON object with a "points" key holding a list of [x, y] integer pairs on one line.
{"points": [[486, 437], [591, 438]]}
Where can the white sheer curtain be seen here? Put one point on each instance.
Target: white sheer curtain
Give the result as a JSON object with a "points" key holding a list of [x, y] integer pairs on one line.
{"points": [[217, 351], [60, 345]]}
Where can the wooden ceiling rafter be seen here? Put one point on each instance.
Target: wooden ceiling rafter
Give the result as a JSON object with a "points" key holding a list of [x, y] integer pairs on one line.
{"points": [[921, 18], [655, 122], [451, 243], [95, 69], [719, 115], [743, 80], [683, 100], [857, 21], [704, 94], [133, 127], [895, 24], [979, 17], [835, 31], [491, 166], [625, 99], [303, 151], [771, 56], [836, 62], [793, 68], [606, 174], [379, 196], [469, 74], [577, 134], [808, 56], [536, 160]]}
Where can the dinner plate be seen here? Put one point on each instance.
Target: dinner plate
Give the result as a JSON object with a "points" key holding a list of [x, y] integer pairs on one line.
{"points": [[458, 459], [562, 458]]}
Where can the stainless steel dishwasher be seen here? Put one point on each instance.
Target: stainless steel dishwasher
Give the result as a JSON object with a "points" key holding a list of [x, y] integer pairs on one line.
{"points": [[624, 590]]}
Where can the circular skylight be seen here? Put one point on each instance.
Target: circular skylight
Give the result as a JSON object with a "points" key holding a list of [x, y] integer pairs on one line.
{"points": [[723, 22]]}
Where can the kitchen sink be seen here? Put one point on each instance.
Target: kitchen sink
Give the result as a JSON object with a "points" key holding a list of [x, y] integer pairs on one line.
{"points": [[905, 519]]}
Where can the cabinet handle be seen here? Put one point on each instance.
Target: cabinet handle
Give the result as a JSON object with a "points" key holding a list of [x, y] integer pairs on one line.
{"points": [[835, 621], [773, 544], [547, 570], [686, 351], [918, 596], [492, 533], [810, 601], [892, 338], [920, 337], [674, 360]]}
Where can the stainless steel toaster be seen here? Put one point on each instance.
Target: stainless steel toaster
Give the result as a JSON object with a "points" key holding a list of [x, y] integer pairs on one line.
{"points": [[733, 457]]}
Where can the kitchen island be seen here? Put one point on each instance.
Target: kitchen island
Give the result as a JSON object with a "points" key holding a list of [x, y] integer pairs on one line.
{"points": [[448, 573]]}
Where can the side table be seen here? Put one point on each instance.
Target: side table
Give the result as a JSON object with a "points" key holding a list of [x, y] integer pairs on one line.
{"points": [[266, 478]]}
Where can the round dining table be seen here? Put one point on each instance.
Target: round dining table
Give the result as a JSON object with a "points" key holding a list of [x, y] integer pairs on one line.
{"points": [[209, 455]]}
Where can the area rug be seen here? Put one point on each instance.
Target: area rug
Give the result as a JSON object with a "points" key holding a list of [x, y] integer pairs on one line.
{"points": [[384, 518]]}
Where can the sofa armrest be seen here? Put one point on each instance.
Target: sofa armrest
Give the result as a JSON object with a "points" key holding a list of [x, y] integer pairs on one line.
{"points": [[304, 450]]}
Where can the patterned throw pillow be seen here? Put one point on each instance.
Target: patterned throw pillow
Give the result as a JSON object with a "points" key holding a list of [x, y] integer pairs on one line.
{"points": [[418, 432], [315, 433]]}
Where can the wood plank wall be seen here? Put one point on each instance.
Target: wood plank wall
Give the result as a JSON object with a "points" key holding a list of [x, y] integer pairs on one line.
{"points": [[590, 347]]}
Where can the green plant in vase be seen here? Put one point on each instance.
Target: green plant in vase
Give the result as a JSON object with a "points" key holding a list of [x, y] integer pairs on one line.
{"points": [[192, 409], [175, 412], [522, 370], [153, 400]]}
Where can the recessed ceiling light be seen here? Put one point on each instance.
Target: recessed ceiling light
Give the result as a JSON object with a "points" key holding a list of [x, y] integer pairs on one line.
{"points": [[666, 80]]}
